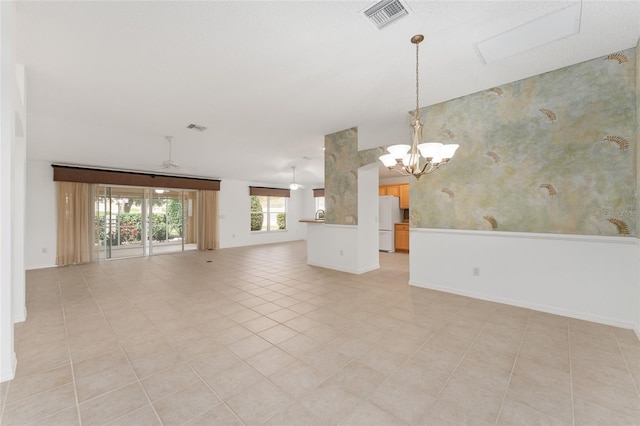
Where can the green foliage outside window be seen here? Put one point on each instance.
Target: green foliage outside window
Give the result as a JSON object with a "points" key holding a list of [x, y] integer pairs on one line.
{"points": [[129, 226], [257, 217], [174, 218]]}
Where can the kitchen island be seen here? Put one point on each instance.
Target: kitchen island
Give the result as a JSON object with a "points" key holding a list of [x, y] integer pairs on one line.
{"points": [[335, 247]]}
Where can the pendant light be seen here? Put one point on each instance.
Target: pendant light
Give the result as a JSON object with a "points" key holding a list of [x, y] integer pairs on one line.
{"points": [[418, 158]]}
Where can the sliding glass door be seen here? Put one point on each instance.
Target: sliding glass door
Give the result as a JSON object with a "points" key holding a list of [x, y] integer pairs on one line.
{"points": [[132, 221], [170, 218]]}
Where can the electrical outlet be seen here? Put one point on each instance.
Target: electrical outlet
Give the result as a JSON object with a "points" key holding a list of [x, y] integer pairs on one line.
{"points": [[476, 271], [341, 253]]}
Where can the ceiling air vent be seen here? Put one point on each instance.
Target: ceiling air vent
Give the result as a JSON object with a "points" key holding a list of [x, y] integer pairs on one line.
{"points": [[385, 11], [196, 127]]}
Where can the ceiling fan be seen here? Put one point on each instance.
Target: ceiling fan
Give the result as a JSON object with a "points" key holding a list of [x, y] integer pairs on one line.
{"points": [[293, 185], [169, 164]]}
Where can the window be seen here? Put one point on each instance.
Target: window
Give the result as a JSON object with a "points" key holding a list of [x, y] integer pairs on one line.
{"points": [[318, 194], [268, 213]]}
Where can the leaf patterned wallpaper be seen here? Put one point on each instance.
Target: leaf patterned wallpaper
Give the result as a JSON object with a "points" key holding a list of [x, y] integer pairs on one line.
{"points": [[341, 162], [554, 153], [340, 177]]}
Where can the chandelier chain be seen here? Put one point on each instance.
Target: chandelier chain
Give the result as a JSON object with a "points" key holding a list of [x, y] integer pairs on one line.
{"points": [[417, 84]]}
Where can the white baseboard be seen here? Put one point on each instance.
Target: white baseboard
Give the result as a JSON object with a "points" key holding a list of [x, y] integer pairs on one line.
{"points": [[34, 267], [368, 269], [9, 373], [20, 316], [533, 306], [348, 270]]}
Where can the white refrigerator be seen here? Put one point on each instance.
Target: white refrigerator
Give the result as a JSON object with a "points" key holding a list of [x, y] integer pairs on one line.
{"points": [[389, 215]]}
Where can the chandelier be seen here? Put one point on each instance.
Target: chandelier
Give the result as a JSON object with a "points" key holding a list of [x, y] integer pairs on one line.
{"points": [[406, 159]]}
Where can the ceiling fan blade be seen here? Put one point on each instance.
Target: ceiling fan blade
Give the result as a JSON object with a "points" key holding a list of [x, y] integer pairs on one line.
{"points": [[170, 164]]}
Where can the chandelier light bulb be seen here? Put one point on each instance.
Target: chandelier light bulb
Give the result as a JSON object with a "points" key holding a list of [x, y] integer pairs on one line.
{"points": [[449, 150], [398, 151], [388, 160]]}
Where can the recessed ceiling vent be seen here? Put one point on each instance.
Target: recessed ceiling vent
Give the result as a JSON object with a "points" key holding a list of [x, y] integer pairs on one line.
{"points": [[385, 12], [197, 127]]}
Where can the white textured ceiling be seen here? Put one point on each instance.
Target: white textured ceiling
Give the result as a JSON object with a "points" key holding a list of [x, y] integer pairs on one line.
{"points": [[108, 80]]}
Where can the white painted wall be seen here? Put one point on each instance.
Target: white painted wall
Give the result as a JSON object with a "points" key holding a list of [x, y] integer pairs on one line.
{"points": [[586, 277], [40, 217], [333, 246], [7, 132], [18, 196], [368, 211], [235, 216]]}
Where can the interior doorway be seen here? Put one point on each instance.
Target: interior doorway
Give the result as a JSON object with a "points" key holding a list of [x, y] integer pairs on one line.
{"points": [[133, 221]]}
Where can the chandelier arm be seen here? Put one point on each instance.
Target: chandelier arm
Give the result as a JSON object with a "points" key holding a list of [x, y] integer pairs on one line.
{"points": [[436, 167], [424, 169], [398, 170]]}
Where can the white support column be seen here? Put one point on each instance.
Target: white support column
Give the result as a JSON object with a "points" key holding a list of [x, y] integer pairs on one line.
{"points": [[7, 123], [368, 226]]}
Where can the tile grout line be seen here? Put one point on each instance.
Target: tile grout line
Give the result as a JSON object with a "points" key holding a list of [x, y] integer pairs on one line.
{"points": [[182, 357], [296, 399], [424, 344], [179, 354], [10, 382], [121, 349], [368, 398], [17, 343], [4, 400], [66, 334], [386, 379], [626, 363], [464, 354], [513, 367], [573, 411], [202, 379], [268, 378]]}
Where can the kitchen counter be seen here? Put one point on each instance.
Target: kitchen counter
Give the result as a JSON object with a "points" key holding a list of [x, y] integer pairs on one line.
{"points": [[311, 220]]}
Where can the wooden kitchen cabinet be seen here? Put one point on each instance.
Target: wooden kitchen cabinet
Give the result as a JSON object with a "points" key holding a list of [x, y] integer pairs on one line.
{"points": [[402, 236], [404, 196], [393, 190]]}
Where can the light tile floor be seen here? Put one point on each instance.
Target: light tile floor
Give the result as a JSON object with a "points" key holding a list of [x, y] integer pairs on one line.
{"points": [[255, 336]]}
